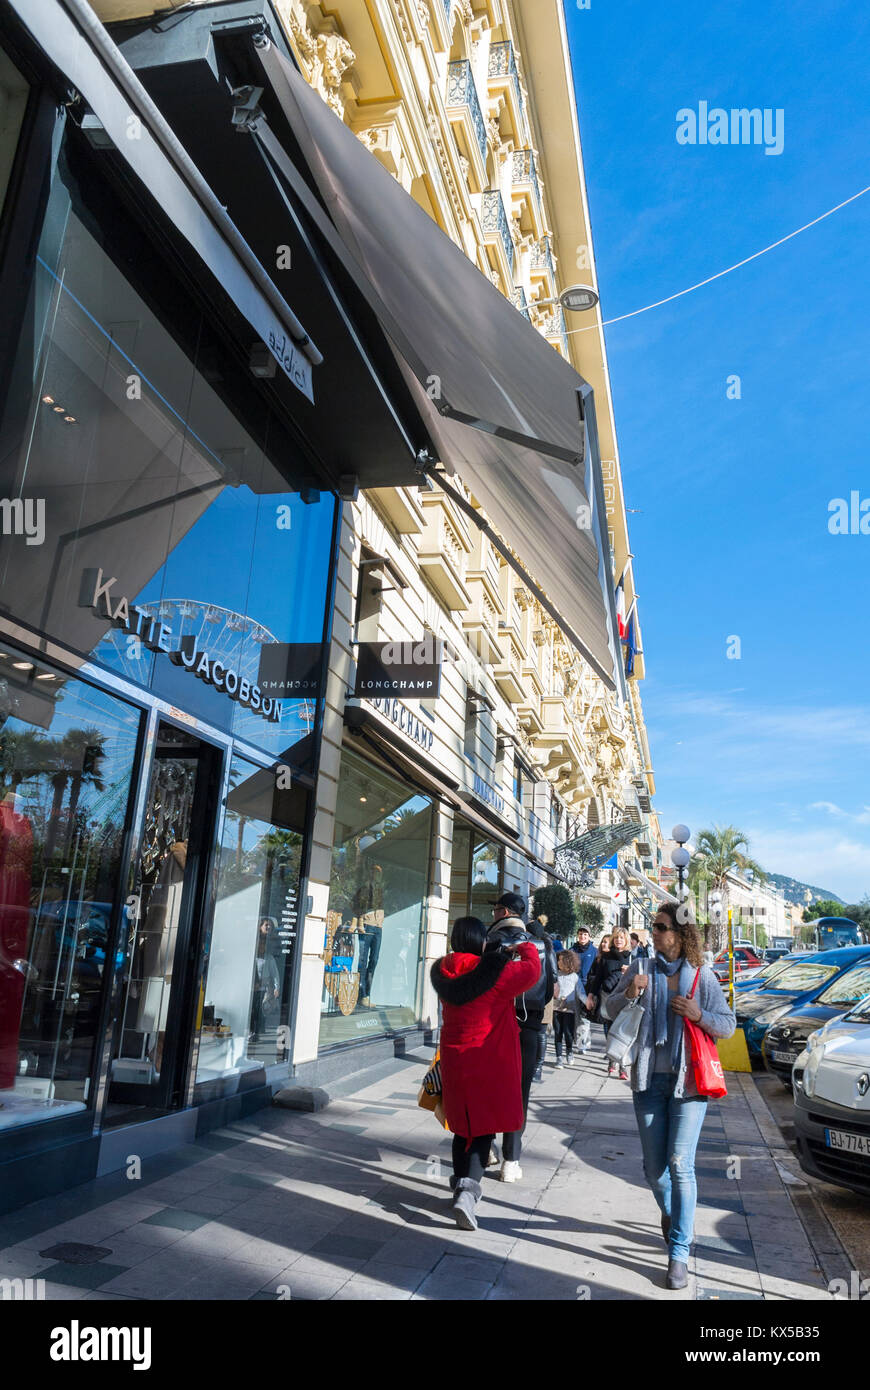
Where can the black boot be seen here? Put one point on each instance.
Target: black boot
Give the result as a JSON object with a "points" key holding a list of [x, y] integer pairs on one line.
{"points": [[678, 1275], [466, 1196]]}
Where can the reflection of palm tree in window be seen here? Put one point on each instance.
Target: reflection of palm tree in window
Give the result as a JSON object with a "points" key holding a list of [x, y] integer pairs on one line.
{"points": [[396, 820], [87, 749], [73, 761]]}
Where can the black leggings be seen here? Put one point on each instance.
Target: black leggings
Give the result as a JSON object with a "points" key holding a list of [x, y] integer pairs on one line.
{"points": [[470, 1163], [564, 1024], [512, 1143]]}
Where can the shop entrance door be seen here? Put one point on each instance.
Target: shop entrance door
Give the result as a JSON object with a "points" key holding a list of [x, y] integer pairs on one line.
{"points": [[165, 913]]}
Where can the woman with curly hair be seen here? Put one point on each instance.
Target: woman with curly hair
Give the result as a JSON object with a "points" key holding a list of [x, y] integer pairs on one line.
{"points": [[674, 985]]}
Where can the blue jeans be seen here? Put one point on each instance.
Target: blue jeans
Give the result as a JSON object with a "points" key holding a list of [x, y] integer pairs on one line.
{"points": [[669, 1133], [369, 950]]}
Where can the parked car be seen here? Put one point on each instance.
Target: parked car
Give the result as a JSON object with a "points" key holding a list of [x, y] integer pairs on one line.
{"points": [[772, 953], [832, 1101], [803, 978], [787, 1037], [745, 958], [758, 977]]}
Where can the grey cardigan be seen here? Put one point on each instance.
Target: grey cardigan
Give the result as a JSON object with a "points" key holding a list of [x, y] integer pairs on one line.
{"points": [[717, 1019]]}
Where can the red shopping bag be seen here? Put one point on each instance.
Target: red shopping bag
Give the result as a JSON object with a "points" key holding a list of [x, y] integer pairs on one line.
{"points": [[704, 1057]]}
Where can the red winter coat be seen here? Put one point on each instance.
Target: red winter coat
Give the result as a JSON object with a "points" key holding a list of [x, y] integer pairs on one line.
{"points": [[480, 1040]]}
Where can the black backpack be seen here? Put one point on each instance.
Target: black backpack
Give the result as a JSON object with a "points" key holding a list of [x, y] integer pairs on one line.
{"points": [[540, 994]]}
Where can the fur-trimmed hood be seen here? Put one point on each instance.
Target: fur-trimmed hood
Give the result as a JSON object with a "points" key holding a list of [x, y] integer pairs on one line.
{"points": [[460, 977]]}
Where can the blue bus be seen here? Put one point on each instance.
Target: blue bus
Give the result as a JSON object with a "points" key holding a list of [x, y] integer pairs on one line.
{"points": [[832, 932]]}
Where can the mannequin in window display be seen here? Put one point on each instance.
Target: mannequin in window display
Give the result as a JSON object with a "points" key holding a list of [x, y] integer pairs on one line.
{"points": [[16, 856], [158, 938], [368, 921], [266, 993]]}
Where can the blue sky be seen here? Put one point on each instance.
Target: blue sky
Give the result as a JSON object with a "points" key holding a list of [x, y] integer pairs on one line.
{"points": [[731, 537]]}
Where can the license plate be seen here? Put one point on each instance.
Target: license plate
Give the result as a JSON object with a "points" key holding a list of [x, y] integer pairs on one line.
{"points": [[850, 1143], [783, 1056]]}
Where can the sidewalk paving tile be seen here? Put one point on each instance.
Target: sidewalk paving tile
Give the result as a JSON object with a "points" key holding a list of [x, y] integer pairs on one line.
{"points": [[353, 1204]]}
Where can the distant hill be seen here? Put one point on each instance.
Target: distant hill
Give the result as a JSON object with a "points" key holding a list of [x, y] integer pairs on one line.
{"points": [[796, 892]]}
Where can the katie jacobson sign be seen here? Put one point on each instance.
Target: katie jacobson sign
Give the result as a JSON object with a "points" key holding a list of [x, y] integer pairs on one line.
{"points": [[185, 652]]}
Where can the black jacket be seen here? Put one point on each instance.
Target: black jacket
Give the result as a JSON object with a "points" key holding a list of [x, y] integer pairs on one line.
{"points": [[606, 973], [508, 932]]}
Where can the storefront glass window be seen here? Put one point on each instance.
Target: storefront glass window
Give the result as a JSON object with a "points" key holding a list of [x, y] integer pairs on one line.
{"points": [[148, 528], [377, 897], [476, 871], [67, 754], [247, 986]]}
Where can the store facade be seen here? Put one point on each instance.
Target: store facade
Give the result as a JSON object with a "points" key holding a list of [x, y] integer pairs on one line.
{"points": [[167, 566]]}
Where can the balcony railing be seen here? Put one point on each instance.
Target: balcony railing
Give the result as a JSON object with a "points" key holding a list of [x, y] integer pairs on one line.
{"points": [[495, 219], [542, 256], [525, 170], [461, 91], [518, 295], [503, 63]]}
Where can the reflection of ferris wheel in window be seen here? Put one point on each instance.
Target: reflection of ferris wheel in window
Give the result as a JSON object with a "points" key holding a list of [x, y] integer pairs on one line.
{"points": [[235, 640]]}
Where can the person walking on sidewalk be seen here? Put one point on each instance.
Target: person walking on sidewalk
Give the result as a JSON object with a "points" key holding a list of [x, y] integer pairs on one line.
{"points": [[674, 985], [537, 928], [586, 953], [481, 1089], [564, 1005], [508, 929], [604, 977], [639, 944]]}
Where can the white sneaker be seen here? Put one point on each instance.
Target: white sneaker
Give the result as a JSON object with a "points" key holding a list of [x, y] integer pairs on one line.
{"points": [[560, 1063], [510, 1171]]}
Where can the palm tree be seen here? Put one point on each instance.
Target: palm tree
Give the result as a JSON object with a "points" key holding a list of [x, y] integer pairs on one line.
{"points": [[86, 749], [718, 853]]}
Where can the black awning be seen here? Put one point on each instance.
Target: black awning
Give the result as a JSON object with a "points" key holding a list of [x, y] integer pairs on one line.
{"points": [[501, 406], [409, 765]]}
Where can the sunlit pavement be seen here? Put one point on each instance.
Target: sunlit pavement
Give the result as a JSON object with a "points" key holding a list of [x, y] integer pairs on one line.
{"points": [[352, 1203]]}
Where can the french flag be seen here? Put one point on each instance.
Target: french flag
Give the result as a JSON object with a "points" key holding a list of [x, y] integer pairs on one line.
{"points": [[620, 612]]}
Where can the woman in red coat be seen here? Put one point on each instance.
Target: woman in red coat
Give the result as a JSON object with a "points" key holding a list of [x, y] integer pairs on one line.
{"points": [[481, 1074]]}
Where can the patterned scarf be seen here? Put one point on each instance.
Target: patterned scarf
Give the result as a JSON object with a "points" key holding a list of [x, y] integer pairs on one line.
{"points": [[664, 1019]]}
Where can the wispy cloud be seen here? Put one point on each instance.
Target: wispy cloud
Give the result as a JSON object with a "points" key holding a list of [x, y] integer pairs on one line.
{"points": [[790, 776]]}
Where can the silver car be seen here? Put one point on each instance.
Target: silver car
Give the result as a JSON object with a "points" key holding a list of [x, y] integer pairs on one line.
{"points": [[831, 1080]]}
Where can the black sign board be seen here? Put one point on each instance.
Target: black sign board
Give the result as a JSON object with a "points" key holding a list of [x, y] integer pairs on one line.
{"points": [[290, 670], [411, 670]]}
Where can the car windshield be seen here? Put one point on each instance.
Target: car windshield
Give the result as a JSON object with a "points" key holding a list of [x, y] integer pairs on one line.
{"points": [[851, 987], [804, 975], [770, 972], [862, 1013]]}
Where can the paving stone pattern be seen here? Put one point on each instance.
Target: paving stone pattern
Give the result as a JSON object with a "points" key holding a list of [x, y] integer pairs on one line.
{"points": [[353, 1203]]}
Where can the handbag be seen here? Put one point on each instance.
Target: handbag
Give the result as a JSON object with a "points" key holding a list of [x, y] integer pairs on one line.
{"points": [[429, 1096], [432, 1079], [624, 1031], [703, 1057]]}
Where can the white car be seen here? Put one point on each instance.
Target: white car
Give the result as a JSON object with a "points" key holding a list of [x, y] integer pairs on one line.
{"points": [[831, 1081]]}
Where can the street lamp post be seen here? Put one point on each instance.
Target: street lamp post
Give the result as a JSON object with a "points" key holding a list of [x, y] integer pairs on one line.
{"points": [[680, 857]]}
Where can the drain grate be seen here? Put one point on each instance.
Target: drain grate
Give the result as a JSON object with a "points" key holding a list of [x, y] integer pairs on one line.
{"points": [[73, 1252]]}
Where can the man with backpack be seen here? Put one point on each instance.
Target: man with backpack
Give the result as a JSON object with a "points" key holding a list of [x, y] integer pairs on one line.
{"points": [[507, 931]]}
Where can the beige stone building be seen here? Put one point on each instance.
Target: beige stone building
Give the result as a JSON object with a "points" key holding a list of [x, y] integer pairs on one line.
{"points": [[470, 105]]}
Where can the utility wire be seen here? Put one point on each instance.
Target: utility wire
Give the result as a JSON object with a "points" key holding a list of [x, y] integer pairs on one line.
{"points": [[718, 276]]}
